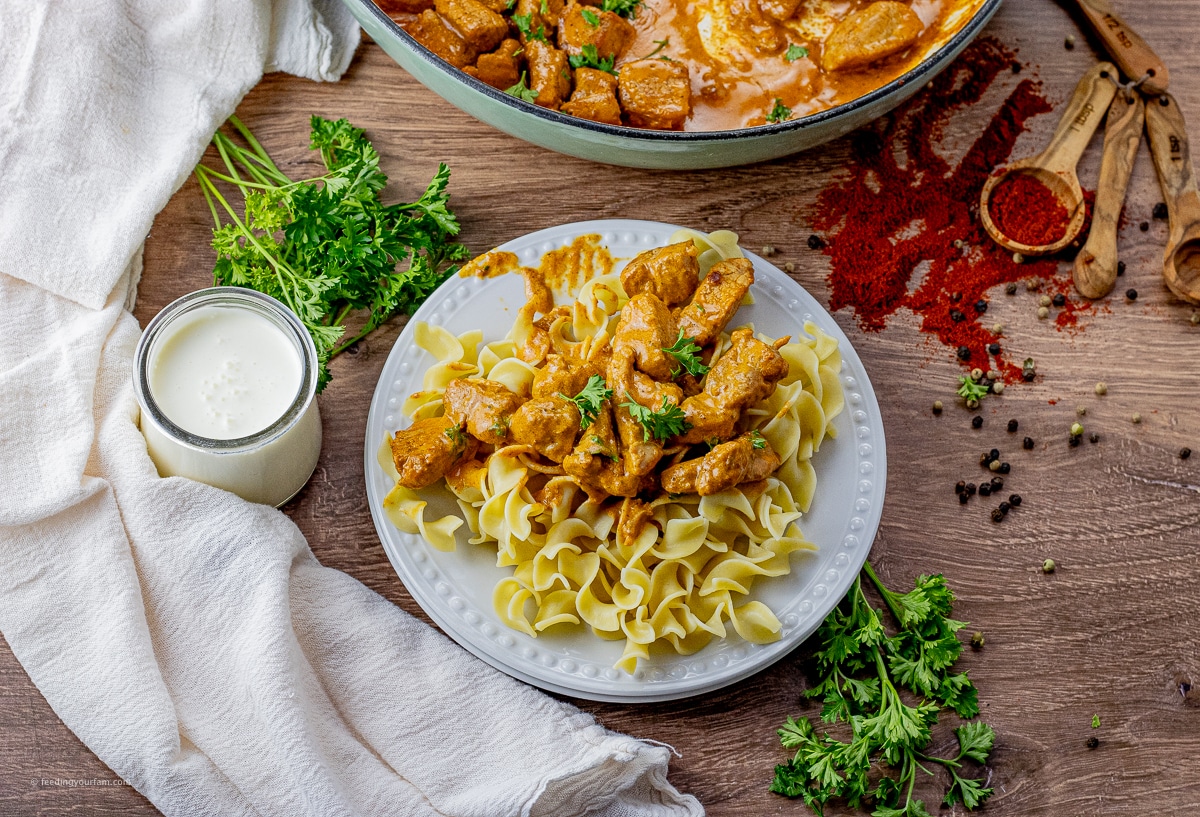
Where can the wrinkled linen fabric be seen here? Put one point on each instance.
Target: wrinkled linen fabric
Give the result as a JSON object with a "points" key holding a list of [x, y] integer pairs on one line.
{"points": [[189, 638]]}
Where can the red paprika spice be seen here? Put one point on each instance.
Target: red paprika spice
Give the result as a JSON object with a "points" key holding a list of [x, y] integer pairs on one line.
{"points": [[1027, 211], [890, 219]]}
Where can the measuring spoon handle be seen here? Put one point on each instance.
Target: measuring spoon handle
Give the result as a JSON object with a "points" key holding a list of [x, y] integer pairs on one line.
{"points": [[1172, 158], [1083, 113], [1128, 50], [1095, 270]]}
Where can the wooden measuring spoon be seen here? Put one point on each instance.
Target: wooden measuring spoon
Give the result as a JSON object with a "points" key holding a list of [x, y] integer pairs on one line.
{"points": [[1055, 166], [1169, 147], [1096, 265], [1129, 51]]}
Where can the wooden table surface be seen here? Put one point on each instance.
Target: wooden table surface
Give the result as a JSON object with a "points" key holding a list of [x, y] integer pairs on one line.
{"points": [[1113, 632]]}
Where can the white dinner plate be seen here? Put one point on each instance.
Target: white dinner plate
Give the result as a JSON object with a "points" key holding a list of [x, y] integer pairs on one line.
{"points": [[455, 589]]}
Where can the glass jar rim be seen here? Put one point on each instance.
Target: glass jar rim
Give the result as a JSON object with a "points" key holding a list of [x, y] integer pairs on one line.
{"points": [[228, 296]]}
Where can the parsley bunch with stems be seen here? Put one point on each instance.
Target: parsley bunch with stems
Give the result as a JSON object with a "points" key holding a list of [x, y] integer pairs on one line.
{"points": [[328, 247], [863, 671]]}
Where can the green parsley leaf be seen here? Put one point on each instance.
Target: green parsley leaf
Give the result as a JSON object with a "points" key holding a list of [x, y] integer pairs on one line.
{"points": [[328, 247], [590, 400], [662, 424], [589, 57], [969, 389], [524, 22], [795, 52], [687, 353], [757, 440], [779, 112], [590, 17], [544, 8], [1095, 721], [659, 45], [625, 8], [522, 90], [457, 438]]}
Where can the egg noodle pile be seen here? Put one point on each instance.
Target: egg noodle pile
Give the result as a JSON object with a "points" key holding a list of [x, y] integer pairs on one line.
{"points": [[686, 573]]}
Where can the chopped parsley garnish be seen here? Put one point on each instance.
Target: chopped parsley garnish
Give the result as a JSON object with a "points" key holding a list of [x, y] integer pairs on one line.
{"points": [[590, 58], [591, 18], [544, 8], [757, 440], [509, 5], [779, 112], [590, 400], [666, 422], [686, 352], [625, 8], [795, 52], [522, 90], [659, 45], [457, 438], [524, 22], [500, 427]]}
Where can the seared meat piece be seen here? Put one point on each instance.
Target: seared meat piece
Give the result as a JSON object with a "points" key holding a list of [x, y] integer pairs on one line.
{"points": [[482, 28], [646, 328], [499, 69], [547, 22], [610, 32], [655, 94], [869, 35], [743, 376], [431, 31], [595, 97], [484, 405], [548, 424], [727, 465], [671, 272], [549, 73], [558, 375], [427, 449], [715, 300]]}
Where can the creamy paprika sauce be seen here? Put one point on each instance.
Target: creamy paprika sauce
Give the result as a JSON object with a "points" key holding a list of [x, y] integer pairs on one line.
{"points": [[693, 65]]}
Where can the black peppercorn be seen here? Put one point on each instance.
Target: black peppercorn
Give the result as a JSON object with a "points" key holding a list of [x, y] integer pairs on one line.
{"points": [[957, 316], [1184, 453], [815, 242], [997, 516], [1016, 67], [964, 353], [1144, 226], [1059, 299], [1015, 500], [984, 459], [1010, 288], [977, 422], [963, 497], [1003, 507], [1005, 468], [1028, 375], [985, 489], [993, 348], [971, 489], [1012, 426], [960, 486], [1131, 294], [994, 454], [1120, 268], [997, 484], [1074, 441], [981, 306], [1094, 438], [1160, 210], [1027, 443], [1093, 742]]}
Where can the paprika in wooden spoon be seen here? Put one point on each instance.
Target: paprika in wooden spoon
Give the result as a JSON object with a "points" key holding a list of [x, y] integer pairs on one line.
{"points": [[1176, 175], [1035, 206]]}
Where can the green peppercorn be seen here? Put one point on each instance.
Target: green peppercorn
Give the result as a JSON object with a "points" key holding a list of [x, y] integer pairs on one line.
{"points": [[977, 641], [1048, 566], [937, 406], [1101, 389], [1076, 429], [994, 465]]}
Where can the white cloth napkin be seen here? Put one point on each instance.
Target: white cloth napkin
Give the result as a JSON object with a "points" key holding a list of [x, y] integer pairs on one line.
{"points": [[189, 638]]}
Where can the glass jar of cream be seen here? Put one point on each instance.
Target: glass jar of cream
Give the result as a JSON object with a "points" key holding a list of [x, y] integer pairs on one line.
{"points": [[227, 382]]}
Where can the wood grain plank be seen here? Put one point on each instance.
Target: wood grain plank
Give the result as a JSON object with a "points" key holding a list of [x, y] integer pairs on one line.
{"points": [[1111, 632]]}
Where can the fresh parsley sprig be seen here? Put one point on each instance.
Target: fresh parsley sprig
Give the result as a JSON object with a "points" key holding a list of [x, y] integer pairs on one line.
{"points": [[589, 57], [779, 112], [589, 400], [862, 672], [661, 424], [970, 389], [687, 353], [522, 90], [625, 8], [795, 52], [327, 246]]}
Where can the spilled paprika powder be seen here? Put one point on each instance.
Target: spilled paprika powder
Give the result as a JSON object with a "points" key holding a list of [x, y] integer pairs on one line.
{"points": [[886, 221]]}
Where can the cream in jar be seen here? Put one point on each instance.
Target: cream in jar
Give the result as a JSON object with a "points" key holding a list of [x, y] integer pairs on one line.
{"points": [[226, 379]]}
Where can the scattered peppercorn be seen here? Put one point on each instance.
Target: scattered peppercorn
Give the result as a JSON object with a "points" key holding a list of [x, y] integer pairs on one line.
{"points": [[815, 242], [996, 515], [1093, 742], [1144, 226], [957, 316], [981, 306], [960, 486], [1012, 426], [993, 349], [985, 489], [1003, 507], [997, 484], [1045, 300], [977, 641], [1048, 566], [1120, 268], [1074, 441], [994, 465], [1160, 210], [1010, 288], [977, 421], [984, 459], [767, 251], [994, 454], [1043, 313], [971, 488], [1131, 294], [1059, 299], [1093, 438], [1101, 388], [972, 403], [998, 387], [789, 267], [1069, 42], [1015, 500], [998, 328], [1081, 411], [1027, 443], [937, 406], [1018, 258], [1033, 284], [963, 497], [1195, 319], [1004, 468], [976, 373], [1184, 453], [964, 353], [1136, 418]]}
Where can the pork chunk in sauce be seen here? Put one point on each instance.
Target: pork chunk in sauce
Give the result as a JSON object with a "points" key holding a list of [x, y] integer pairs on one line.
{"points": [[485, 406], [549, 425], [745, 375], [725, 466], [670, 273], [425, 451], [716, 299]]}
